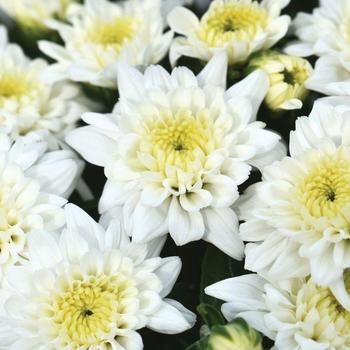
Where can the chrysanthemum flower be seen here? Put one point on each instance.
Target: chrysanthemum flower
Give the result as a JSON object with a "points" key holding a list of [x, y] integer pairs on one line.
{"points": [[299, 214], [297, 314], [33, 184], [32, 14], [241, 27], [287, 76], [176, 147], [101, 34], [89, 289], [234, 336], [325, 33], [29, 104]]}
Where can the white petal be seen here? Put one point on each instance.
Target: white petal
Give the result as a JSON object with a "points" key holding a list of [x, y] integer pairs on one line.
{"points": [[184, 227], [254, 87], [148, 223], [168, 320], [222, 231], [131, 83], [168, 273], [95, 147], [215, 72], [43, 249], [246, 291], [79, 221], [183, 21]]}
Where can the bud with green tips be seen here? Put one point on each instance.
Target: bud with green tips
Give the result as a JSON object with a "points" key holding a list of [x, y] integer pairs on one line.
{"points": [[237, 335]]}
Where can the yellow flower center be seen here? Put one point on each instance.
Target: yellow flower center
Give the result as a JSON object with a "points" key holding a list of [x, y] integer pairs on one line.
{"points": [[179, 139], [113, 34], [312, 297], [13, 85], [231, 21], [88, 309], [326, 189]]}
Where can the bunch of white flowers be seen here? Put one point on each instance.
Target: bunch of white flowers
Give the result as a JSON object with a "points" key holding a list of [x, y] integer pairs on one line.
{"points": [[202, 145]]}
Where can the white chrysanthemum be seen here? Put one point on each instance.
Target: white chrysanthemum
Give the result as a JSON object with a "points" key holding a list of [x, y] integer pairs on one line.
{"points": [[241, 27], [287, 76], [175, 149], [88, 289], [33, 184], [297, 314], [29, 104], [325, 33], [299, 214], [101, 34], [33, 13]]}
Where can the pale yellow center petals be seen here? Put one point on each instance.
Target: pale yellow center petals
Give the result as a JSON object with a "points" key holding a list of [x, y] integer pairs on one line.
{"points": [[89, 309], [114, 33], [325, 191], [226, 22]]}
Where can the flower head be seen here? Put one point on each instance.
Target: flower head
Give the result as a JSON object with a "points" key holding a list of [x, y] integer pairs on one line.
{"points": [[175, 149], [325, 33], [89, 289], [299, 214], [240, 27], [234, 336], [27, 103], [33, 184], [287, 76], [101, 33], [297, 314], [32, 14]]}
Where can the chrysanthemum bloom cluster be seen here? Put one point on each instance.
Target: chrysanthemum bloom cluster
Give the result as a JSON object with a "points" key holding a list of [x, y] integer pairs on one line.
{"points": [[287, 76], [92, 289], [325, 33], [175, 149], [27, 103], [240, 27], [33, 186], [297, 219], [234, 336], [100, 34]]}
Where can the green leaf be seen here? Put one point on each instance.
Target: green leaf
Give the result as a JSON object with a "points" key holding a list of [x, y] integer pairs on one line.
{"points": [[210, 315], [199, 345]]}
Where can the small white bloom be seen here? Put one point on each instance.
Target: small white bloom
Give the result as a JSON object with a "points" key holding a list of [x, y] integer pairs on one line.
{"points": [[241, 27], [32, 14], [325, 33], [101, 34], [89, 289], [297, 314], [29, 104], [299, 215], [175, 149], [33, 184], [287, 76]]}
